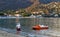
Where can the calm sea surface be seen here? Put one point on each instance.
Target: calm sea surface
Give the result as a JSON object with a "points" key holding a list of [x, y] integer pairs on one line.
{"points": [[9, 24]]}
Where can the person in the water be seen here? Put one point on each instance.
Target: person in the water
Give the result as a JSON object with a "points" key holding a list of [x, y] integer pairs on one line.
{"points": [[18, 28]]}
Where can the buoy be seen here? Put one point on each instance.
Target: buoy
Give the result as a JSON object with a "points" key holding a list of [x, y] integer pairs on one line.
{"points": [[40, 27]]}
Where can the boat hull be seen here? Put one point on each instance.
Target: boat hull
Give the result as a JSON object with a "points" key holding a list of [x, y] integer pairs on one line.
{"points": [[37, 27]]}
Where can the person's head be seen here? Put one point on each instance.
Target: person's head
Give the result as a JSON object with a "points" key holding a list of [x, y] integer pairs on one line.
{"points": [[17, 20]]}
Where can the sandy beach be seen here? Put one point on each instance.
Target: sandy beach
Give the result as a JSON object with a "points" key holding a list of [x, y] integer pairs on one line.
{"points": [[6, 34]]}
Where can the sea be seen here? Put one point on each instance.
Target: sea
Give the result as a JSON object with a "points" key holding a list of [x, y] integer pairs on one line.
{"points": [[9, 24]]}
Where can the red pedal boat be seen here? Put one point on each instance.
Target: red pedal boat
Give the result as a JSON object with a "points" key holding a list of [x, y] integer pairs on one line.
{"points": [[40, 27]]}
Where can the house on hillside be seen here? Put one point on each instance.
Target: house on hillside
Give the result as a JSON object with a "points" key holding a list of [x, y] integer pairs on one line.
{"points": [[17, 14]]}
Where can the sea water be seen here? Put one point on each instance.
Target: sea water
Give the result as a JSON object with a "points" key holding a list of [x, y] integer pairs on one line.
{"points": [[9, 25]]}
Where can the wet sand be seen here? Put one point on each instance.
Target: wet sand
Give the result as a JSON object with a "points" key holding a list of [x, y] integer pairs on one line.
{"points": [[6, 34], [48, 34]]}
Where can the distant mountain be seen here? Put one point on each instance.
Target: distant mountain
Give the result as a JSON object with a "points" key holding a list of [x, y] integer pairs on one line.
{"points": [[48, 1], [17, 4], [14, 4]]}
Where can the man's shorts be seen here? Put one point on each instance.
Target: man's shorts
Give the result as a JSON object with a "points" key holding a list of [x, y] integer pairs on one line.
{"points": [[18, 29]]}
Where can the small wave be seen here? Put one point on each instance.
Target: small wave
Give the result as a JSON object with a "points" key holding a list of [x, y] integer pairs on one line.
{"points": [[14, 17], [13, 31]]}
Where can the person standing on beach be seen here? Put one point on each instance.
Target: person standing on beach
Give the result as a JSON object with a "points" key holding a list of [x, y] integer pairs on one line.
{"points": [[18, 28]]}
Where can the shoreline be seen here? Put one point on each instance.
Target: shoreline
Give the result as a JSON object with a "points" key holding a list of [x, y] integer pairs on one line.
{"points": [[48, 34], [6, 34]]}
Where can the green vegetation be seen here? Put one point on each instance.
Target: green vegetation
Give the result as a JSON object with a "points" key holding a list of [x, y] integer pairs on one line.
{"points": [[26, 14], [1, 14], [7, 12]]}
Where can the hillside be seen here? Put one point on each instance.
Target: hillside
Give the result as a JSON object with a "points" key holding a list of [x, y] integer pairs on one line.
{"points": [[48, 1], [17, 4]]}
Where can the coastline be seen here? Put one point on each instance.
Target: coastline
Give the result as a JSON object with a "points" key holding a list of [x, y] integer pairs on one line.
{"points": [[48, 33], [6, 34]]}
